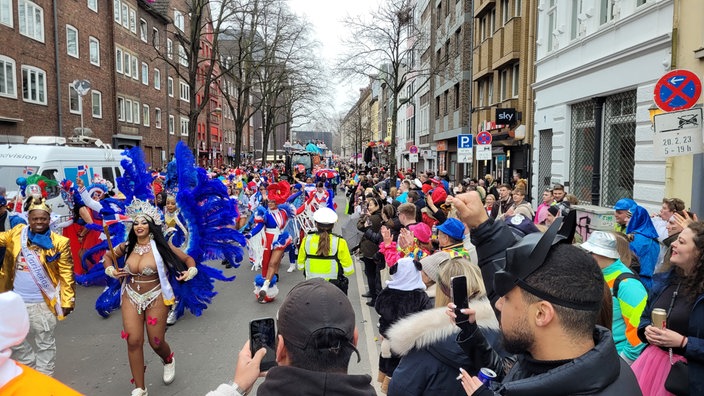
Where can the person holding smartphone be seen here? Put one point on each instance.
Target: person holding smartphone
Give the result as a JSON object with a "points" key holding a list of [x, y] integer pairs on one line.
{"points": [[316, 339]]}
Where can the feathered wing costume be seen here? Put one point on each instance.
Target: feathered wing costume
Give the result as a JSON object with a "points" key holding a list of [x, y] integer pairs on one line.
{"points": [[197, 293], [212, 234]]}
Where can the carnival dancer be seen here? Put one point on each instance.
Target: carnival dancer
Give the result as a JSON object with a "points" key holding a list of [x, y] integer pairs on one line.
{"points": [[272, 224], [151, 266], [38, 266]]}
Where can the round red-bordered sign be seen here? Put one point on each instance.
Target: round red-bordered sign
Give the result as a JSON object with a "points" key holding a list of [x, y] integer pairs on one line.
{"points": [[484, 137], [677, 90]]}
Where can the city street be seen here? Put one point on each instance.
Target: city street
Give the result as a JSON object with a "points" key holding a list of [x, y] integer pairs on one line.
{"points": [[92, 358]]}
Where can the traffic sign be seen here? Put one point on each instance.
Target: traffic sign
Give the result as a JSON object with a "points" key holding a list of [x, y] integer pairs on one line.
{"points": [[464, 141], [677, 90], [465, 151], [413, 149], [484, 137], [679, 133], [484, 152]]}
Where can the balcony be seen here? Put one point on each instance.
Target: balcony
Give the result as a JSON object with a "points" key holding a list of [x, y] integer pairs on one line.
{"points": [[481, 60], [481, 6], [507, 43]]}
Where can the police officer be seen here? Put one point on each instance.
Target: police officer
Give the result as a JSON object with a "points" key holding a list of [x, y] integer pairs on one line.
{"points": [[324, 254]]}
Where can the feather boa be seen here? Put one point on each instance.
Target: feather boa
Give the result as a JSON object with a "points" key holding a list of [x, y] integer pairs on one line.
{"points": [[136, 181]]}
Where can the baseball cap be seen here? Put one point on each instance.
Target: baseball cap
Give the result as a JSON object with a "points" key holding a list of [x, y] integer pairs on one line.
{"points": [[311, 306], [601, 243], [453, 227]]}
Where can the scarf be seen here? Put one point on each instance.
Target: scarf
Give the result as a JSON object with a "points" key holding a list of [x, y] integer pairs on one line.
{"points": [[42, 240]]}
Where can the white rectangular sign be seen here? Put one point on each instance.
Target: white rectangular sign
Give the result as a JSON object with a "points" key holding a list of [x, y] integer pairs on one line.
{"points": [[413, 158], [464, 155], [679, 133], [483, 152]]}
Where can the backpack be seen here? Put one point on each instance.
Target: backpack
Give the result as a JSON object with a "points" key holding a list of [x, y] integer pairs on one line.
{"points": [[620, 277]]}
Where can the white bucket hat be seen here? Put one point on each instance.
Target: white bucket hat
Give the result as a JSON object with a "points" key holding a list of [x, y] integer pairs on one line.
{"points": [[601, 243]]}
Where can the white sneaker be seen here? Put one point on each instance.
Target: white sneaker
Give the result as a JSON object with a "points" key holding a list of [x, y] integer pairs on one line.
{"points": [[170, 371], [139, 392], [171, 319], [291, 267]]}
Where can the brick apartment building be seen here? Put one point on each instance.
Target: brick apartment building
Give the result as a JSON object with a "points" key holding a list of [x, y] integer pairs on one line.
{"points": [[126, 49]]}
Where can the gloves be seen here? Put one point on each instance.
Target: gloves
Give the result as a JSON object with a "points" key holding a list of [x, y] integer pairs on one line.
{"points": [[110, 271], [192, 272], [385, 348]]}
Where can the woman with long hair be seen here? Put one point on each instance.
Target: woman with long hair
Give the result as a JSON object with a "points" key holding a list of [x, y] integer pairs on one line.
{"points": [[677, 337], [151, 267], [370, 224], [427, 340]]}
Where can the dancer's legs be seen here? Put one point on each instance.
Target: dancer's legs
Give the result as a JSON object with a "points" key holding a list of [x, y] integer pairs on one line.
{"points": [[133, 324]]}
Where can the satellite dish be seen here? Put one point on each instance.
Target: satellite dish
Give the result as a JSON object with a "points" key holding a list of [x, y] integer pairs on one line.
{"points": [[81, 86]]}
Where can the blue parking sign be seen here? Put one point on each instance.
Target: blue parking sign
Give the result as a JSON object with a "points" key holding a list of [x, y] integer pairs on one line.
{"points": [[464, 141]]}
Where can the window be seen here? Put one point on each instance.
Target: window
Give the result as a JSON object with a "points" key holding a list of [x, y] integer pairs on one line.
{"points": [[155, 38], [125, 16], [505, 14], [6, 12], [117, 7], [94, 50], [120, 108], [157, 118], [184, 92], [33, 85], [182, 58], [74, 101], [481, 86], [514, 80], [179, 21], [169, 48], [492, 22], [93, 5], [143, 30], [157, 79], [170, 86], [31, 18], [490, 92], [97, 103], [606, 11], [135, 111], [118, 60], [72, 41], [517, 7], [128, 110], [145, 115], [133, 21], [576, 10], [145, 74], [128, 64], [552, 14], [184, 126], [135, 71], [503, 82], [171, 124], [7, 77]]}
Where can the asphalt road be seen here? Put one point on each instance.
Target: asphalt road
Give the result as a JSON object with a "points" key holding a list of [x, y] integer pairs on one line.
{"points": [[92, 358]]}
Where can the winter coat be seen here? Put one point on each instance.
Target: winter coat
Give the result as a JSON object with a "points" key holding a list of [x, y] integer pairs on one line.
{"points": [[431, 357], [694, 351], [392, 305], [372, 234], [600, 371], [289, 380]]}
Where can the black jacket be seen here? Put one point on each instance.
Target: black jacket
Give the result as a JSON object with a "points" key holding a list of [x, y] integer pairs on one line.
{"points": [[372, 233], [598, 372], [392, 305], [288, 380], [491, 239]]}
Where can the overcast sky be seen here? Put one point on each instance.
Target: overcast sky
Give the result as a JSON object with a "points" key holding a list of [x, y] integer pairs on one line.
{"points": [[326, 16]]}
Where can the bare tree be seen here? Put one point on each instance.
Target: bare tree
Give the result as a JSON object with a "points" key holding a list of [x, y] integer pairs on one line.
{"points": [[383, 46]]}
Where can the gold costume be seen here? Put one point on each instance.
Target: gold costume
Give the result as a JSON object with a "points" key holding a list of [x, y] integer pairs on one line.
{"points": [[57, 261]]}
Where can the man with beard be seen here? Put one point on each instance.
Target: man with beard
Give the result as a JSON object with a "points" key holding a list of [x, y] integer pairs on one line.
{"points": [[550, 295]]}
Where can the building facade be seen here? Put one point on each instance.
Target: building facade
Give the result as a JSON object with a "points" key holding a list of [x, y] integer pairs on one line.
{"points": [[596, 68]]}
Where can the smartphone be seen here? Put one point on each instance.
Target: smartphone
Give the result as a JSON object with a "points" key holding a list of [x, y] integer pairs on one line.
{"points": [[459, 296], [262, 334]]}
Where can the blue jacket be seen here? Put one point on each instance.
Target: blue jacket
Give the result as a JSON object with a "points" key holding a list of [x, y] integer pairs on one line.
{"points": [[694, 351]]}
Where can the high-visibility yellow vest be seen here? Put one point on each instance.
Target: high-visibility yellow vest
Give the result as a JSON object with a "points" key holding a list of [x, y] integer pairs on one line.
{"points": [[315, 266]]}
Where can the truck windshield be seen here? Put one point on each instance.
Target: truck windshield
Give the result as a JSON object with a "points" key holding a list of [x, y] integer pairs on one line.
{"points": [[10, 174]]}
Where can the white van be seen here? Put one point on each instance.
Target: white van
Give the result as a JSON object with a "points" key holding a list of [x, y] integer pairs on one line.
{"points": [[56, 163]]}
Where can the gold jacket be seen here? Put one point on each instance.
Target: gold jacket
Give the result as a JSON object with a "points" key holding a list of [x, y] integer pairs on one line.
{"points": [[60, 269]]}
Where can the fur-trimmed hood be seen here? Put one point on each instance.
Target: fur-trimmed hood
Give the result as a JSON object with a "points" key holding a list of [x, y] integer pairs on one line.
{"points": [[428, 327]]}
